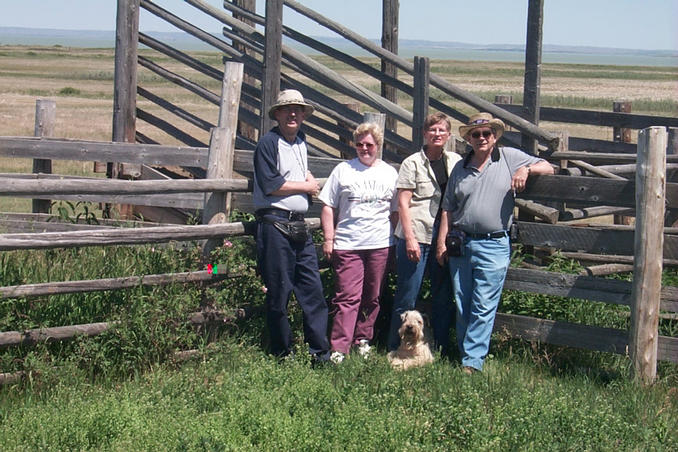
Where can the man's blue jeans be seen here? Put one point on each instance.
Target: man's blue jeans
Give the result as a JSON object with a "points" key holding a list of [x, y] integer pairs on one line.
{"points": [[478, 277], [410, 276]]}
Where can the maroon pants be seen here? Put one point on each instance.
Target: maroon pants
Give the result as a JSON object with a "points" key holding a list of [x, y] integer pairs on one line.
{"points": [[359, 274]]}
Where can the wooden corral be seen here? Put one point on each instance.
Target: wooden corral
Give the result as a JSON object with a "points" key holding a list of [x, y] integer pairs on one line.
{"points": [[594, 179]]}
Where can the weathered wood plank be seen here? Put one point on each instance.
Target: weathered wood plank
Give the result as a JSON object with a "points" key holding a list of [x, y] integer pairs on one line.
{"points": [[127, 236], [15, 187], [422, 72], [272, 62], [61, 149], [647, 265], [590, 190], [532, 76], [53, 334], [600, 157], [548, 214], [390, 12], [125, 83], [592, 212], [45, 120], [562, 333], [581, 287], [576, 335], [588, 239], [97, 285], [600, 118], [586, 257]]}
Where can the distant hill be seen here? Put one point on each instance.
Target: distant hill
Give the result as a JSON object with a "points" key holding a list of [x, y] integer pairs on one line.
{"points": [[407, 47]]}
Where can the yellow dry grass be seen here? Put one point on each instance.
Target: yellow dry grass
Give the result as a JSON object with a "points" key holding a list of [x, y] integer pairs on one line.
{"points": [[81, 83]]}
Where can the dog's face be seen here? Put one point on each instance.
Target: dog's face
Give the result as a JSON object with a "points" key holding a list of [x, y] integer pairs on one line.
{"points": [[411, 327]]}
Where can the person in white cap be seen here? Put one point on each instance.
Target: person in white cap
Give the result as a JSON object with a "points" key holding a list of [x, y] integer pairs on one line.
{"points": [[286, 256], [474, 230]]}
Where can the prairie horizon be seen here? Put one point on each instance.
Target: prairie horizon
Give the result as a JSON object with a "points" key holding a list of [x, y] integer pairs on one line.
{"points": [[408, 48]]}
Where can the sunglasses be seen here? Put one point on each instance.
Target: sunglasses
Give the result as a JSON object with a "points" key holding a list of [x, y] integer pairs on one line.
{"points": [[485, 133]]}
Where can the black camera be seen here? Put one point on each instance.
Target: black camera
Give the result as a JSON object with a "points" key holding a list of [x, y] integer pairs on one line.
{"points": [[454, 242]]}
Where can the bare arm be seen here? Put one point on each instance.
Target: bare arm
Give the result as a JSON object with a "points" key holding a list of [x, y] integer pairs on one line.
{"points": [[441, 249], [411, 244], [310, 186], [519, 178], [327, 223]]}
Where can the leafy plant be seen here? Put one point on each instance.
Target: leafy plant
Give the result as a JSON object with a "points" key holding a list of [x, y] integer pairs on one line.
{"points": [[72, 213]]}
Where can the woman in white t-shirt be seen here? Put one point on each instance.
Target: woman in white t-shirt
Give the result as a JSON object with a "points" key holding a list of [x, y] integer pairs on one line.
{"points": [[357, 220]]}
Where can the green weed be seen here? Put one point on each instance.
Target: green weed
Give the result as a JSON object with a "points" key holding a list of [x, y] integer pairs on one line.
{"points": [[69, 91]]}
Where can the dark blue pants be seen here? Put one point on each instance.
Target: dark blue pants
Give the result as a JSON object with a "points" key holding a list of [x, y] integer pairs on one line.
{"points": [[410, 276], [285, 267]]}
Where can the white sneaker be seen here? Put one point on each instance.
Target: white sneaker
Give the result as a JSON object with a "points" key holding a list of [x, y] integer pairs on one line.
{"points": [[337, 357], [364, 348]]}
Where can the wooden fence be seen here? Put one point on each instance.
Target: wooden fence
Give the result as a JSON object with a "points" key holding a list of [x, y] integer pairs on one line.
{"points": [[594, 177], [600, 239], [270, 64]]}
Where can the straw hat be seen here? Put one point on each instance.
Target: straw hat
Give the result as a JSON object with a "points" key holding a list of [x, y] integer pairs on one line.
{"points": [[482, 120], [290, 97]]}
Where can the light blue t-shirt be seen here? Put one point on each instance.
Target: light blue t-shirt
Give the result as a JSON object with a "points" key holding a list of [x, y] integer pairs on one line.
{"points": [[482, 201]]}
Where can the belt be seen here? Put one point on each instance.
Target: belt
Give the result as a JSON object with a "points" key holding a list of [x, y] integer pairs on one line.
{"points": [[282, 213], [486, 235]]}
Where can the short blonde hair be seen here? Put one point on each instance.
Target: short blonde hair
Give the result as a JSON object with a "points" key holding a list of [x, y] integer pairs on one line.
{"points": [[369, 128]]}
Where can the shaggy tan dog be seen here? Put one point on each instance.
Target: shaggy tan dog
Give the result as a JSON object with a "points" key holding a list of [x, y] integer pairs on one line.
{"points": [[414, 350]]}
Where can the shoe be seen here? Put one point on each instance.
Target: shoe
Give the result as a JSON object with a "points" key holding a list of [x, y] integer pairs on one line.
{"points": [[320, 359], [337, 357], [364, 348], [468, 370]]}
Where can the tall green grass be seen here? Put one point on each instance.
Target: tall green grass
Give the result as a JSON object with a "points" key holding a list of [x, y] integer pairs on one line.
{"points": [[237, 398], [124, 389]]}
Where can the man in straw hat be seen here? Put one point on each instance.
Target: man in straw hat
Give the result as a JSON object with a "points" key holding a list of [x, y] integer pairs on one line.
{"points": [[286, 256], [474, 232]]}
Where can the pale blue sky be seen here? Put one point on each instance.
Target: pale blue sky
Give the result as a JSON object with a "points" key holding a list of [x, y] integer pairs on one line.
{"points": [[633, 24]]}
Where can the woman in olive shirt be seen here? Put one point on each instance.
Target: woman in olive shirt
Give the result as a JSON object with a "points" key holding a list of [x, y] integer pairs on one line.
{"points": [[421, 183]]}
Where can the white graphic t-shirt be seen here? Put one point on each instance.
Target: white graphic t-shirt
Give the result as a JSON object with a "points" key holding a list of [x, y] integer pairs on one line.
{"points": [[363, 197]]}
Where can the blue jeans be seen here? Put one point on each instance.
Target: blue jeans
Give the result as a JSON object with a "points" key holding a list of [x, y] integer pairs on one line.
{"points": [[410, 276], [478, 276]]}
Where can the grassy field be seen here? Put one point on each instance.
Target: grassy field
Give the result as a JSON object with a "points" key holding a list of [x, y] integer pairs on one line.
{"points": [[125, 390]]}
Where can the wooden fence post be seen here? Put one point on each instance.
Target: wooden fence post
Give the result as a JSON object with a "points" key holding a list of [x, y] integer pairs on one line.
{"points": [[222, 150], [270, 84], [671, 216], [622, 135], [45, 115], [389, 40], [125, 81], [355, 106], [648, 246], [422, 72], [380, 120], [532, 84], [507, 99], [244, 129]]}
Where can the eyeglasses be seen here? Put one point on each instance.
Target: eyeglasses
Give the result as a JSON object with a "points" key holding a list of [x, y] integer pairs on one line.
{"points": [[485, 133], [362, 144]]}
